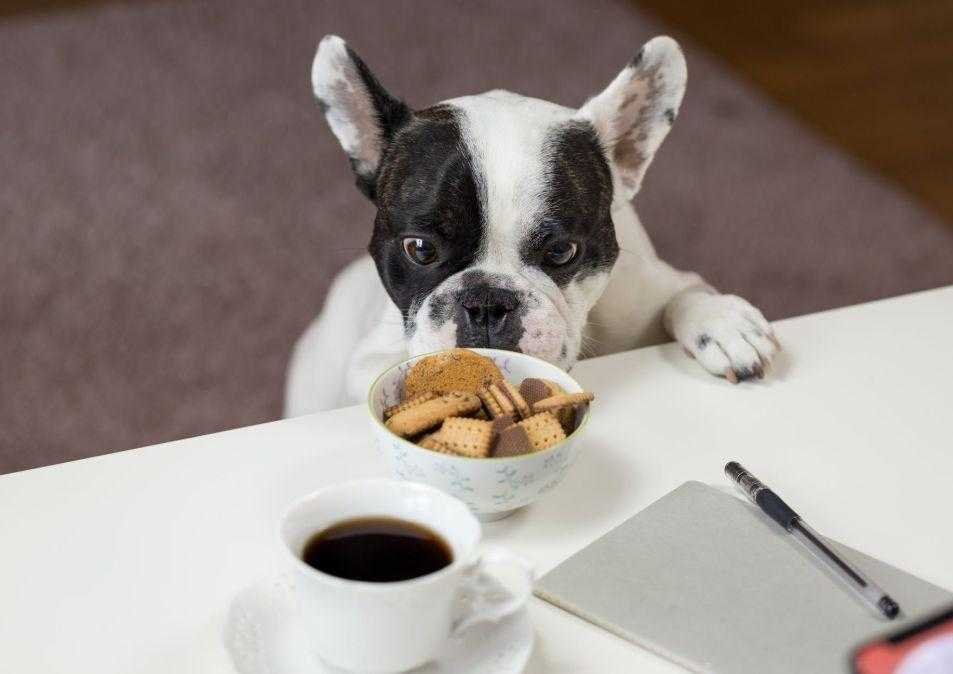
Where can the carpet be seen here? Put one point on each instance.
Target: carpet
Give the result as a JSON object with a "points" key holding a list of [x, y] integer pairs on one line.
{"points": [[173, 208]]}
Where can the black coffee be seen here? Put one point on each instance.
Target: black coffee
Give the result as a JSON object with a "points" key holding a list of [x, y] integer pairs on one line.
{"points": [[377, 549]]}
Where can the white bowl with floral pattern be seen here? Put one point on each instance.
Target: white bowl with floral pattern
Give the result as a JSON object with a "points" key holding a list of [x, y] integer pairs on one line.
{"points": [[493, 488]]}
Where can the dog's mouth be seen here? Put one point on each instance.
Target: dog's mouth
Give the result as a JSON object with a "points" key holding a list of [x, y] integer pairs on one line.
{"points": [[510, 312], [487, 343], [534, 331]]}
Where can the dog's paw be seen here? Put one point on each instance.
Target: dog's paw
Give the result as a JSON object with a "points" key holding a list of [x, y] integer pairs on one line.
{"points": [[728, 336]]}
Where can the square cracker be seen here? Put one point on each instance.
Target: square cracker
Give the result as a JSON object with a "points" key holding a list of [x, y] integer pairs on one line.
{"points": [[543, 430], [467, 437]]}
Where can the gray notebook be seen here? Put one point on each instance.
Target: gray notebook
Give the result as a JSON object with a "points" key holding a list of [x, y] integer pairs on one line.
{"points": [[709, 582]]}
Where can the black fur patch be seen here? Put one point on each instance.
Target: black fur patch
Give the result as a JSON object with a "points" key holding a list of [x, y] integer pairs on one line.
{"points": [[425, 188], [439, 309], [578, 203]]}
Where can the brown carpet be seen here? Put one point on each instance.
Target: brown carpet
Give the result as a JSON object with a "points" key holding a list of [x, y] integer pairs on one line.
{"points": [[172, 207]]}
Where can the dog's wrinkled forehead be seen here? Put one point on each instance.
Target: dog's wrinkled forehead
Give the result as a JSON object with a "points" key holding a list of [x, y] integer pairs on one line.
{"points": [[508, 139], [540, 174], [494, 179]]}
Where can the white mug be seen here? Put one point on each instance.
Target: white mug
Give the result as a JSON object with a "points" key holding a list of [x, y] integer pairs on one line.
{"points": [[363, 626]]}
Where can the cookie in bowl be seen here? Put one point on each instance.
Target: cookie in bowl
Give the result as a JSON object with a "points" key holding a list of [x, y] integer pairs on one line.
{"points": [[496, 429]]}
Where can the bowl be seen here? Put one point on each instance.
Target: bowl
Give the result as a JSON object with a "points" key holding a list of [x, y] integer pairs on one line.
{"points": [[492, 488]]}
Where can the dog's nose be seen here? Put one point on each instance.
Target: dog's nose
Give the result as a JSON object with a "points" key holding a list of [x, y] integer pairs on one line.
{"points": [[485, 309]]}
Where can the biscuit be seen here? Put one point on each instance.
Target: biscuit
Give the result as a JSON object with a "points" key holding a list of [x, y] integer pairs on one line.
{"points": [[512, 441], [407, 404], [433, 443], [562, 401], [519, 402], [540, 431], [490, 407], [534, 389], [502, 400], [454, 370], [429, 414], [466, 437], [543, 430], [502, 422]]}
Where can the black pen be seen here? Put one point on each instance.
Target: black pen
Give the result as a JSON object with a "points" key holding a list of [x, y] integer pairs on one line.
{"points": [[783, 514]]}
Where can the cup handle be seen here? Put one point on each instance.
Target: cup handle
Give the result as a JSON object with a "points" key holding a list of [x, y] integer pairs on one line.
{"points": [[483, 597]]}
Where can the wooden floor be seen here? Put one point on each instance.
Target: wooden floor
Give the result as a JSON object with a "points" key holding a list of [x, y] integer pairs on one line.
{"points": [[874, 76], [12, 7]]}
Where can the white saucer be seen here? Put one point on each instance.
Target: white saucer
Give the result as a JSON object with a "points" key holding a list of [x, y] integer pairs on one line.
{"points": [[264, 636]]}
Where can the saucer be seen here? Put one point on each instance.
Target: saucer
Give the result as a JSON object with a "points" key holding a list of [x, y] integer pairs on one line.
{"points": [[263, 635]]}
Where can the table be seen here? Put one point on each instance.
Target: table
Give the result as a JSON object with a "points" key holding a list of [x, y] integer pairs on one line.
{"points": [[126, 562]]}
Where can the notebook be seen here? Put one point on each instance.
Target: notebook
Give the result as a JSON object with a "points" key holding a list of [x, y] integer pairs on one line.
{"points": [[708, 581]]}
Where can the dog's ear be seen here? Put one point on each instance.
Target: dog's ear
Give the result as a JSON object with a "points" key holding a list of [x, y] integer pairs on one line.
{"points": [[634, 113], [360, 112]]}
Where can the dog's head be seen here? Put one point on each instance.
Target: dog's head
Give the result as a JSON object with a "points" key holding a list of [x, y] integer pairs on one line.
{"points": [[494, 218]]}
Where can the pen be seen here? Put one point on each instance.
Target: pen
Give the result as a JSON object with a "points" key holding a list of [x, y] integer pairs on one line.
{"points": [[783, 514]]}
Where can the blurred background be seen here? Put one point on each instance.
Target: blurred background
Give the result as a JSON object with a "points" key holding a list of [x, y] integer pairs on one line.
{"points": [[173, 208]]}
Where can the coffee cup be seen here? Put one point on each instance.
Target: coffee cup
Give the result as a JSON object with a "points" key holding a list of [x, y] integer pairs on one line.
{"points": [[392, 623]]}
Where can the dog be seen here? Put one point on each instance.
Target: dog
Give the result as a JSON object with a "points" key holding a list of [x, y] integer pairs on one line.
{"points": [[506, 222]]}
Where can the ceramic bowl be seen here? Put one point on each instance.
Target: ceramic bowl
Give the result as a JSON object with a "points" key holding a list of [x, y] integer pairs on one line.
{"points": [[494, 487]]}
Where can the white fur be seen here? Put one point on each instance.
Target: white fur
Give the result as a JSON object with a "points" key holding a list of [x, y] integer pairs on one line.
{"points": [[630, 107], [504, 133], [552, 329], [360, 331], [336, 82]]}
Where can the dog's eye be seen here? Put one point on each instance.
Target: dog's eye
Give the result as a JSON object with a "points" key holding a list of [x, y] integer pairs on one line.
{"points": [[561, 252], [420, 251]]}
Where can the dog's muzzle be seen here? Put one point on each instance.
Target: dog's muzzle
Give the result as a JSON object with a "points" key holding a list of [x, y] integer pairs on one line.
{"points": [[489, 316]]}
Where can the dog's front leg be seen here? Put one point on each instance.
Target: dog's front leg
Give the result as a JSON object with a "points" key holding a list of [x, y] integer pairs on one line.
{"points": [[726, 334], [384, 346]]}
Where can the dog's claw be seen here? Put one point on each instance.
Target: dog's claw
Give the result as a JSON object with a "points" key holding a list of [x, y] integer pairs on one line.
{"points": [[745, 374], [731, 376], [755, 371]]}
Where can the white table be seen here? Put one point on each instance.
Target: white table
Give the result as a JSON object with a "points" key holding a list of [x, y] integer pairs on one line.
{"points": [[125, 563]]}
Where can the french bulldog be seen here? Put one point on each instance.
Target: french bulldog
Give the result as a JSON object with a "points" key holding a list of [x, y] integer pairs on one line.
{"points": [[505, 221]]}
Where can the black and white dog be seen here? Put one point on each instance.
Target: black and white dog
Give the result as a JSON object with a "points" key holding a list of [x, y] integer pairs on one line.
{"points": [[507, 222]]}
